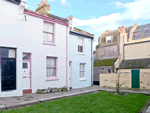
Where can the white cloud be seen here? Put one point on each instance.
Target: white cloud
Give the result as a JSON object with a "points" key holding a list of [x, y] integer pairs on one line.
{"points": [[65, 3], [133, 12], [51, 0]]}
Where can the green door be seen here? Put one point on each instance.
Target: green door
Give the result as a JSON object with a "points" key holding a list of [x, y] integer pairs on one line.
{"points": [[135, 78]]}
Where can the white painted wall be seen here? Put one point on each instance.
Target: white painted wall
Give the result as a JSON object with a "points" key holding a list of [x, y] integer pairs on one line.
{"points": [[27, 36], [11, 31], [80, 58]]}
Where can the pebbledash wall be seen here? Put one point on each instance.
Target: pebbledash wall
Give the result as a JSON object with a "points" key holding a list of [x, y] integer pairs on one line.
{"points": [[27, 36], [76, 58]]}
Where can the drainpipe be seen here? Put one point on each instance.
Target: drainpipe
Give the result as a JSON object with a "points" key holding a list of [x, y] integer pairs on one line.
{"points": [[92, 61], [67, 57]]}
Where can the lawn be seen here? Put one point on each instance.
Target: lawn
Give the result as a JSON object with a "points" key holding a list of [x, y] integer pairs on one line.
{"points": [[101, 102]]}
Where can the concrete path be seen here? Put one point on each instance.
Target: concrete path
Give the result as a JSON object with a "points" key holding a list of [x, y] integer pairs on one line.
{"points": [[31, 99]]}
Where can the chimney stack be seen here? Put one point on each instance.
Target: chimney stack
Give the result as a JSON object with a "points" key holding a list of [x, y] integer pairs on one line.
{"points": [[70, 21], [43, 8]]}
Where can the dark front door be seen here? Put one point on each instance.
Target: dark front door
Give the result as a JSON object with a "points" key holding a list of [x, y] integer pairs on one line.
{"points": [[135, 78], [8, 69]]}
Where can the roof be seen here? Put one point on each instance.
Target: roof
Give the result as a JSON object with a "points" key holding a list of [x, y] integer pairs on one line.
{"points": [[82, 32], [142, 31], [115, 32], [135, 63], [52, 16], [15, 1], [105, 62]]}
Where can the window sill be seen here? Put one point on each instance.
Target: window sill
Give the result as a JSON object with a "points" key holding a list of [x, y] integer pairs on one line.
{"points": [[49, 44], [82, 79], [81, 53], [51, 79]]}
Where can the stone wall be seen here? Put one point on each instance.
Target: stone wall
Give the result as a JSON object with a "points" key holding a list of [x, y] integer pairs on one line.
{"points": [[106, 52]]}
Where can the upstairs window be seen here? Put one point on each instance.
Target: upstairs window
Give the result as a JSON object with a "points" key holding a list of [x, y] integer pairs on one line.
{"points": [[108, 39], [48, 33], [80, 45]]}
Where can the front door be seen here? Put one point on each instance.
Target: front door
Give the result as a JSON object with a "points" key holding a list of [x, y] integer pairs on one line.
{"points": [[26, 72], [70, 75], [8, 69], [26, 75], [135, 78]]}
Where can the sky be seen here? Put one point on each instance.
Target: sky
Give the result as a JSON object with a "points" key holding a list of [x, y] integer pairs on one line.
{"points": [[97, 16]]}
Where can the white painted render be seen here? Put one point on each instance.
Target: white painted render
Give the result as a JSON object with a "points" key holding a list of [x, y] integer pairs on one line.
{"points": [[77, 58], [27, 36]]}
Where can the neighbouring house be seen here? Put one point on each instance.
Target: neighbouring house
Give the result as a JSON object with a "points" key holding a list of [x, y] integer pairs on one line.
{"points": [[80, 58], [11, 35], [107, 52], [33, 49], [133, 64]]}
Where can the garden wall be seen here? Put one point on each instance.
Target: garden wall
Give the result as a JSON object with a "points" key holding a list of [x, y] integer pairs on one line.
{"points": [[109, 80]]}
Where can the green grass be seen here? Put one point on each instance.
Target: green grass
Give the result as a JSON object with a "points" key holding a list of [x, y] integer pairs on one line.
{"points": [[101, 102], [106, 62]]}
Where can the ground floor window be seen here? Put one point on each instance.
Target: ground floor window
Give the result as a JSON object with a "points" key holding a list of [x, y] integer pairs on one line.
{"points": [[51, 67], [82, 70]]}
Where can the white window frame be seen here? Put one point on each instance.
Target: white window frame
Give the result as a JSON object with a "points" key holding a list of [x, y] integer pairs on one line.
{"points": [[48, 32], [82, 45], [51, 67], [108, 38], [80, 71]]}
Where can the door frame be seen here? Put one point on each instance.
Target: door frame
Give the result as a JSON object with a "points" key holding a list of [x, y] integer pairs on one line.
{"points": [[132, 77], [26, 91], [70, 74]]}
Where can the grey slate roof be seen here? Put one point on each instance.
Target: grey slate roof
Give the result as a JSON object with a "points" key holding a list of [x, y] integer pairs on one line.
{"points": [[142, 31], [135, 63]]}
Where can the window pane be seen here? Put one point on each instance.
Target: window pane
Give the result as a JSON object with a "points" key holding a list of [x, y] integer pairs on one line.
{"points": [[45, 37], [26, 56], [81, 74], [52, 72], [45, 27], [25, 65], [50, 28], [50, 38], [48, 62], [80, 41], [53, 63], [4, 52], [80, 49], [48, 72], [12, 53]]}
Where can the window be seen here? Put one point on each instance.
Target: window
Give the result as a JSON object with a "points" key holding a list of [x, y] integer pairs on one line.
{"points": [[80, 45], [48, 33], [82, 70], [108, 71], [25, 65], [108, 39], [7, 53], [51, 67], [26, 56]]}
